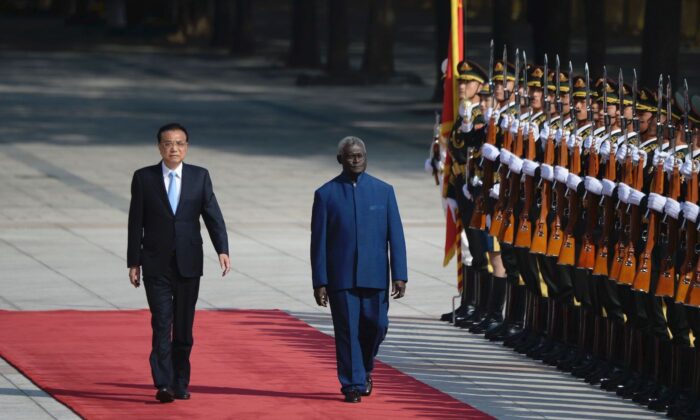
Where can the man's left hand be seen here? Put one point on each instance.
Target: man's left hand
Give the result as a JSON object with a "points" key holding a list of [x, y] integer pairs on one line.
{"points": [[398, 289], [225, 263]]}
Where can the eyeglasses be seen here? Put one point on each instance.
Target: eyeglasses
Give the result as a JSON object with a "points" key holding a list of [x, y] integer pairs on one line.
{"points": [[178, 144]]}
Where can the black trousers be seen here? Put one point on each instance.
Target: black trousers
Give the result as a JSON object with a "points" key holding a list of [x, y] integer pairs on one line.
{"points": [[172, 301]]}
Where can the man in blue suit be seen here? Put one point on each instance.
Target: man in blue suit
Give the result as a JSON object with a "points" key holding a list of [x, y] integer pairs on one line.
{"points": [[356, 238], [167, 200]]}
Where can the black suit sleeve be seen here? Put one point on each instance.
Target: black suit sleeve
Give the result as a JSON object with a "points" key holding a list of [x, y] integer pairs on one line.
{"points": [[133, 250], [213, 219]]}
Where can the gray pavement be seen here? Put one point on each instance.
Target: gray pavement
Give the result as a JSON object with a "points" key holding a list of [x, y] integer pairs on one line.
{"points": [[76, 125]]}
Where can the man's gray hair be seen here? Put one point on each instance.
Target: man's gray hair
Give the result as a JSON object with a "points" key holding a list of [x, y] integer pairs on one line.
{"points": [[350, 141]]}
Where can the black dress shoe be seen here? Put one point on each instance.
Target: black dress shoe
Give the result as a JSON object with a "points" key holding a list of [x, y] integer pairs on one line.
{"points": [[369, 385], [165, 395], [353, 396], [185, 395]]}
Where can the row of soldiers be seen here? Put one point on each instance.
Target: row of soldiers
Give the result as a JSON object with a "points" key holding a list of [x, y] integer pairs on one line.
{"points": [[579, 206]]}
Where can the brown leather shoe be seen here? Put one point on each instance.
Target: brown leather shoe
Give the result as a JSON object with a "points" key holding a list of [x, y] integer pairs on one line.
{"points": [[368, 386]]}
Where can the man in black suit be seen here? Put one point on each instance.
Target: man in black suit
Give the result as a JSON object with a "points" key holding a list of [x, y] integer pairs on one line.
{"points": [[167, 200]]}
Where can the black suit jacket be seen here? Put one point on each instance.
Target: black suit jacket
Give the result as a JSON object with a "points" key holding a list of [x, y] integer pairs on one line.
{"points": [[156, 234]]}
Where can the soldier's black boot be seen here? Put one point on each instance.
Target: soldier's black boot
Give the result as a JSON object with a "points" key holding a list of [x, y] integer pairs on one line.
{"points": [[467, 306], [663, 396], [524, 334], [494, 315], [539, 319], [481, 295], [553, 324], [585, 341], [515, 312]]}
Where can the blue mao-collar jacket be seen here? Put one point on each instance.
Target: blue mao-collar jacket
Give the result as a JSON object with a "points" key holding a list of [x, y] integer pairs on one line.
{"points": [[356, 235]]}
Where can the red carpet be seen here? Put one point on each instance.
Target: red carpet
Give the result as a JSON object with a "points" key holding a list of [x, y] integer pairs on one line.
{"points": [[245, 365]]}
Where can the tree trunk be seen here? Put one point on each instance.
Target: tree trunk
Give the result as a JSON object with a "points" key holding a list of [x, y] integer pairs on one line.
{"points": [[378, 61], [243, 35], [595, 37], [501, 31], [304, 50], [661, 41], [442, 42], [338, 56], [550, 21], [223, 23]]}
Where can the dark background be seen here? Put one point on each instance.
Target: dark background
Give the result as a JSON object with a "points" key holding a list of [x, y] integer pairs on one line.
{"points": [[358, 42]]}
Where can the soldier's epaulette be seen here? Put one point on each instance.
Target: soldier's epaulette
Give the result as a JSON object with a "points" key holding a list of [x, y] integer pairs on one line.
{"points": [[506, 108], [681, 151], [614, 136], [696, 155], [555, 122], [538, 118], [649, 145], [584, 131]]}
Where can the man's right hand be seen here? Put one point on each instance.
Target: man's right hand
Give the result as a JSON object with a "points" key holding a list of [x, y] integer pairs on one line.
{"points": [[135, 276], [321, 296]]}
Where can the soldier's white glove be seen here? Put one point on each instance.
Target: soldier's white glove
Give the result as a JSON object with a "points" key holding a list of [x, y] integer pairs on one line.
{"points": [[547, 172], [656, 202], [672, 208], [488, 113], [505, 122], [572, 181], [535, 129], [466, 127], [605, 148], [516, 164], [621, 153], [687, 167], [529, 167], [608, 187], [623, 192], [495, 114], [558, 135], [690, 211], [597, 143], [514, 126], [642, 157], [588, 142], [561, 174], [465, 111], [466, 192], [505, 156], [659, 157], [495, 191], [635, 197], [669, 163], [593, 185], [490, 152], [574, 141], [544, 133]]}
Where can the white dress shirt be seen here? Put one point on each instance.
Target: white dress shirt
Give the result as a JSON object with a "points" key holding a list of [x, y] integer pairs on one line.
{"points": [[178, 177]]}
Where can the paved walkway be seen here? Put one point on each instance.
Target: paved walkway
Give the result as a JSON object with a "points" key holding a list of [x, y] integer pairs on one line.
{"points": [[76, 125]]}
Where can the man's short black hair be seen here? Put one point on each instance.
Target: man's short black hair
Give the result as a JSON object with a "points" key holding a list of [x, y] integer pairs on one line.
{"points": [[170, 127]]}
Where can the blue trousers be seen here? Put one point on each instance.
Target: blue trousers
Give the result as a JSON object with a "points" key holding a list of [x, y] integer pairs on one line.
{"points": [[360, 321]]}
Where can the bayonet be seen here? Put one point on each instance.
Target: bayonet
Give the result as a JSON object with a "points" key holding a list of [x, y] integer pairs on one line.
{"points": [[491, 85], [669, 118], [686, 127], [589, 105], [572, 110], [528, 101], [606, 117], [545, 96], [623, 120], [505, 73], [635, 118], [516, 85], [659, 107], [557, 92]]}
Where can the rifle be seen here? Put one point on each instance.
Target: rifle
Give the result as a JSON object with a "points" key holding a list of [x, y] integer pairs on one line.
{"points": [[601, 262], [506, 231], [627, 177], [642, 280], [567, 253], [498, 212], [586, 259], [686, 273], [478, 220], [667, 279], [629, 255], [556, 238], [524, 237]]}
